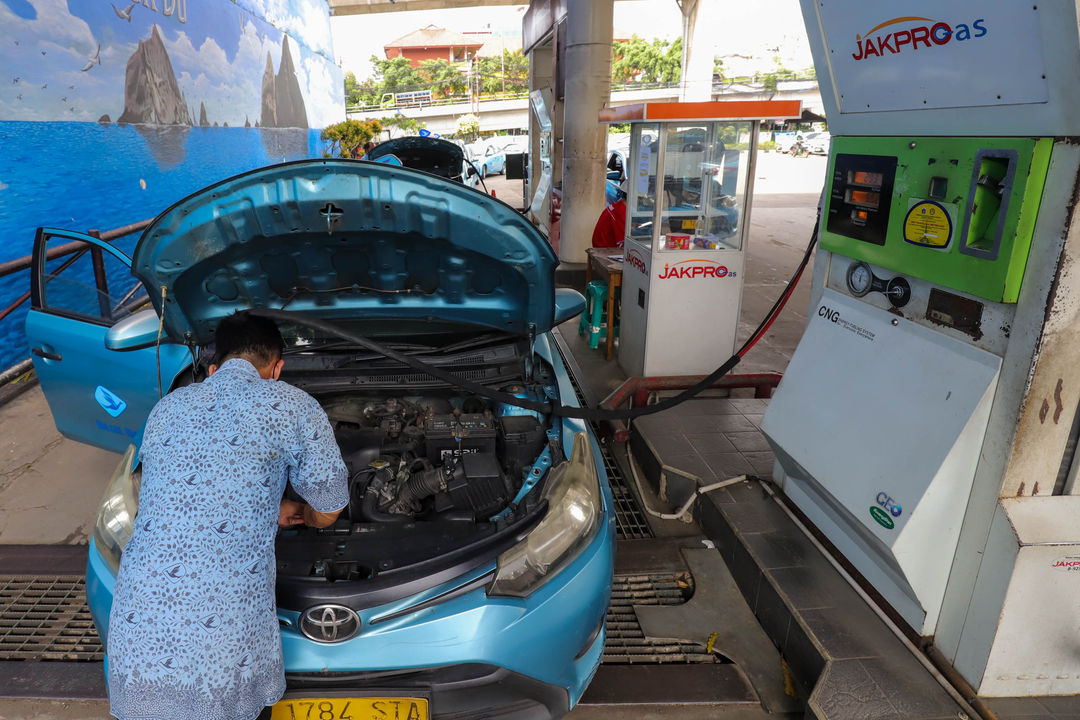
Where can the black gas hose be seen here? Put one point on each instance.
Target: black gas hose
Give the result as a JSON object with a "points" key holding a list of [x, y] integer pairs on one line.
{"points": [[554, 408]]}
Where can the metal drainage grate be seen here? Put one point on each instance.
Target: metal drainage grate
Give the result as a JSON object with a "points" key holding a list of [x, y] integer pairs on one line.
{"points": [[630, 522], [46, 618], [626, 644]]}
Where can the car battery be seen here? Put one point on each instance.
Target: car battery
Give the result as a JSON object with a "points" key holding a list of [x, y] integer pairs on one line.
{"points": [[447, 436]]}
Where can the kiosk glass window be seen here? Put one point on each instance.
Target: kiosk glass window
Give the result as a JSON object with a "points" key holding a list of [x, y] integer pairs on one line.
{"points": [[641, 198], [704, 185]]}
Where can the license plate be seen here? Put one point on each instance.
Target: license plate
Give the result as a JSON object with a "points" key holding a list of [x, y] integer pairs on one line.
{"points": [[368, 708]]}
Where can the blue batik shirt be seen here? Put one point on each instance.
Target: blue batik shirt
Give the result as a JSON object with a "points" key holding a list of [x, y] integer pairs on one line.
{"points": [[193, 632]]}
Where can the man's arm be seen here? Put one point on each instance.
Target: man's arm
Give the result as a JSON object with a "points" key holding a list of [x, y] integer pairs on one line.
{"points": [[319, 475], [297, 513], [317, 519]]}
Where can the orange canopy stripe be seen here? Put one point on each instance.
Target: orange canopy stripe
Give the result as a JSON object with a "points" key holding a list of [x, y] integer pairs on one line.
{"points": [[716, 110]]}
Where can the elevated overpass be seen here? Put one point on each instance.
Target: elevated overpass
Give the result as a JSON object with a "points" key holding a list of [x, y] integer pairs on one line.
{"points": [[512, 113]]}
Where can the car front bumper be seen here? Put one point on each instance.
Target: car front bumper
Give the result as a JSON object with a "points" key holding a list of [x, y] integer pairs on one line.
{"points": [[474, 655], [475, 691]]}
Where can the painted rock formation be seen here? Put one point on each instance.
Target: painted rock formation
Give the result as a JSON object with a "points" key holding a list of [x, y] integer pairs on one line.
{"points": [[282, 101], [151, 95]]}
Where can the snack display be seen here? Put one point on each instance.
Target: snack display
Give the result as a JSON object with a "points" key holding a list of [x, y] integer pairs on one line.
{"points": [[691, 242], [707, 242]]}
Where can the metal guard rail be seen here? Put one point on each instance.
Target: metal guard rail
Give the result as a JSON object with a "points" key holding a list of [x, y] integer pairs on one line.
{"points": [[76, 248]]}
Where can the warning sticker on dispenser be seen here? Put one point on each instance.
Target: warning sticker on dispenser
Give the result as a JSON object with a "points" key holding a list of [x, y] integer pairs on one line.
{"points": [[929, 224]]}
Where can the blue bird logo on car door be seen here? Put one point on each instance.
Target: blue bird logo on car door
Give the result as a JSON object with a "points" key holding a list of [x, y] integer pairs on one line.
{"points": [[109, 401]]}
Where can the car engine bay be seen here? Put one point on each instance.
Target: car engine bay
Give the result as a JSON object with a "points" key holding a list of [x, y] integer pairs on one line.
{"points": [[437, 476], [431, 458]]}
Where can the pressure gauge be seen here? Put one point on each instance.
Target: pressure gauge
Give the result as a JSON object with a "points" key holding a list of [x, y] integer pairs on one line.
{"points": [[860, 279]]}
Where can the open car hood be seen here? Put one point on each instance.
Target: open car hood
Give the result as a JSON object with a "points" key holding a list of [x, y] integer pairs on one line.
{"points": [[344, 239], [432, 155]]}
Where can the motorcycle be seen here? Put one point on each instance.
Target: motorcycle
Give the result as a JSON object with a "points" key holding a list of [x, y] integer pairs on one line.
{"points": [[799, 149]]}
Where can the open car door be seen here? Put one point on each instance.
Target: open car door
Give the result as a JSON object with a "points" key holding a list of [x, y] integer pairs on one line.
{"points": [[80, 287]]}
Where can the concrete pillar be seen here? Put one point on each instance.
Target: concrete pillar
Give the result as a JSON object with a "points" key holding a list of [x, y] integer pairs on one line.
{"points": [[699, 47], [588, 89]]}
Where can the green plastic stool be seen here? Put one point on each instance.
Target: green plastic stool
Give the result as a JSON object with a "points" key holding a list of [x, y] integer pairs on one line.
{"points": [[593, 320]]}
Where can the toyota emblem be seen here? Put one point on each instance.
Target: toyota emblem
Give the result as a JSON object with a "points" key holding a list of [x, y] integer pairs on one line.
{"points": [[329, 623]]}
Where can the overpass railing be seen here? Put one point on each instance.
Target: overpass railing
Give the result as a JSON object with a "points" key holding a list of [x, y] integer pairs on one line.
{"points": [[762, 80], [494, 97]]}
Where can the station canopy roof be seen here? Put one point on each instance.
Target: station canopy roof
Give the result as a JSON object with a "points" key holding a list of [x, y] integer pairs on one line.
{"points": [[370, 7]]}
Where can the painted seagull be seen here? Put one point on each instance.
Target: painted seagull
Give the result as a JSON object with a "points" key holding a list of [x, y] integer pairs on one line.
{"points": [[124, 14], [96, 60]]}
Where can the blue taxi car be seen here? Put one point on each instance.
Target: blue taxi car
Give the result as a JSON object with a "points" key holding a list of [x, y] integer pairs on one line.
{"points": [[482, 594]]}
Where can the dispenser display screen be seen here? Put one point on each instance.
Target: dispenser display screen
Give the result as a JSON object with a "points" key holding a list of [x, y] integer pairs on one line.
{"points": [[866, 179], [861, 196]]}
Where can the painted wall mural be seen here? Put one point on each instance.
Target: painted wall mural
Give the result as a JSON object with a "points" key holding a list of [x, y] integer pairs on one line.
{"points": [[112, 110]]}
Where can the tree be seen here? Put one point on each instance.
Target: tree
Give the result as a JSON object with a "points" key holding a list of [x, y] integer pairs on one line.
{"points": [[352, 90], [406, 125], [394, 75], [442, 78], [360, 93], [636, 60], [510, 73], [348, 137], [771, 80], [468, 127]]}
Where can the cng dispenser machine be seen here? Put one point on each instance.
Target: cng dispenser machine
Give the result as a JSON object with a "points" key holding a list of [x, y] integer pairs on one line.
{"points": [[927, 423], [687, 220]]}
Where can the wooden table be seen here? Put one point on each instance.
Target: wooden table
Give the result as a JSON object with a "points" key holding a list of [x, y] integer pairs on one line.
{"points": [[604, 266]]}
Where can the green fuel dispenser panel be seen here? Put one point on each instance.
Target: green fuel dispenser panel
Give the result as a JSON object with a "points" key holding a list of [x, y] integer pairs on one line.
{"points": [[957, 212]]}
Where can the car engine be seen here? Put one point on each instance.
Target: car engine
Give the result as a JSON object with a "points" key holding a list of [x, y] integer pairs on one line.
{"points": [[433, 458]]}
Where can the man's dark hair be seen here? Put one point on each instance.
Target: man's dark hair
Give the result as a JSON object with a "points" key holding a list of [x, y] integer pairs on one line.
{"points": [[256, 339]]}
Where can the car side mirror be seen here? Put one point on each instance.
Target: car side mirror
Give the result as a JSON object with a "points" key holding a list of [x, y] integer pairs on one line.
{"points": [[135, 332], [470, 171], [614, 175], [569, 304]]}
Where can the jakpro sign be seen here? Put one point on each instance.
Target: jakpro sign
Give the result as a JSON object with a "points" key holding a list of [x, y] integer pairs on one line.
{"points": [[689, 269], [942, 49]]}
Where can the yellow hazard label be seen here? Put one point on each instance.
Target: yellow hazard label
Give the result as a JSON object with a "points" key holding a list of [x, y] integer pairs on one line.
{"points": [[928, 224]]}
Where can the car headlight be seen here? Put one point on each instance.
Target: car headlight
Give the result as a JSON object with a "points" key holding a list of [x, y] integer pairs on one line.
{"points": [[572, 521], [116, 516]]}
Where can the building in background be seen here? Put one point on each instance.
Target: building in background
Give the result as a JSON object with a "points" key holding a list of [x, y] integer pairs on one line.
{"points": [[434, 43]]}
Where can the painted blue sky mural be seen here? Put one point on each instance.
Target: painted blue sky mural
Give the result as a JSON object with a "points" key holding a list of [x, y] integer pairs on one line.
{"points": [[67, 60], [112, 110]]}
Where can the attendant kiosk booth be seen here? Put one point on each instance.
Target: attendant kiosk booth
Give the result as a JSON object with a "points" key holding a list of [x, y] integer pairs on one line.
{"points": [[687, 219]]}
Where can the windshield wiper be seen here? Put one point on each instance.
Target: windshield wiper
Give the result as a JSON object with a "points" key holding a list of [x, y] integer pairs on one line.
{"points": [[402, 347], [472, 342]]}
